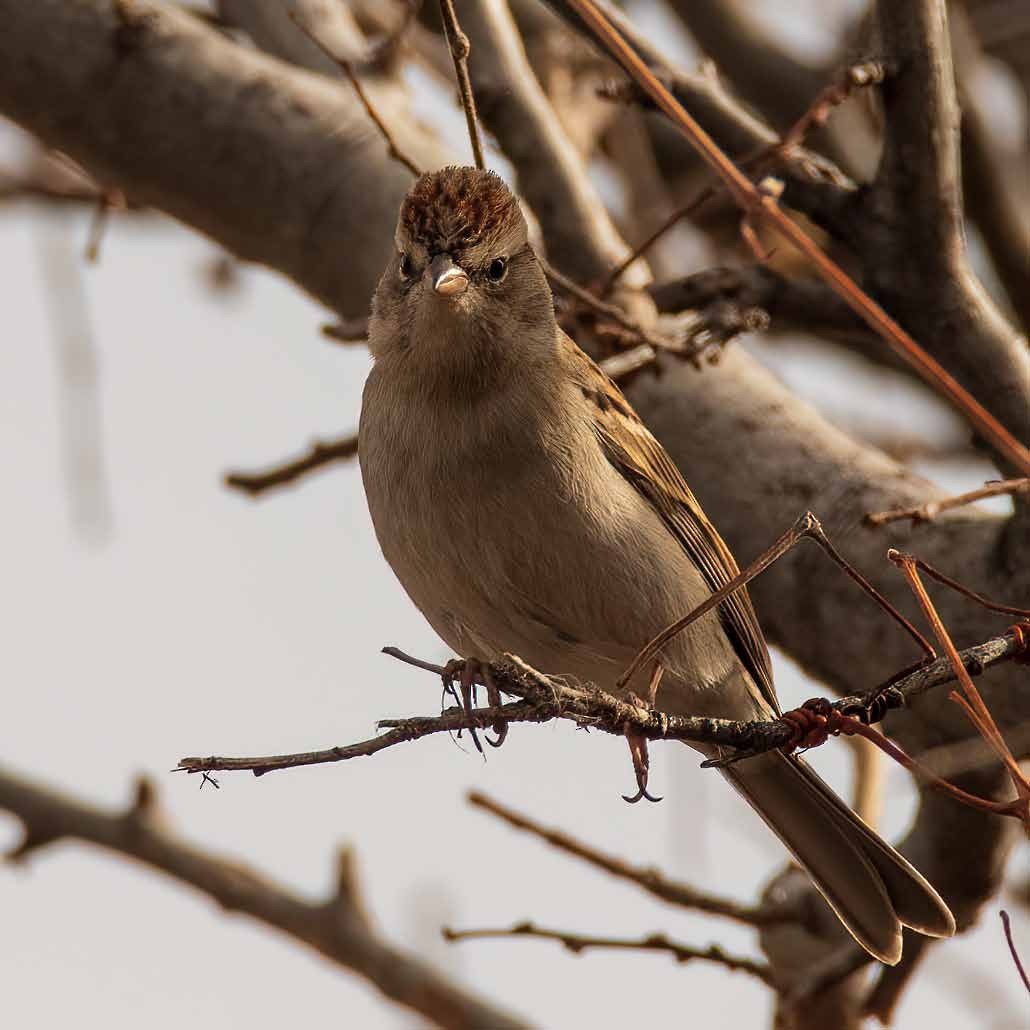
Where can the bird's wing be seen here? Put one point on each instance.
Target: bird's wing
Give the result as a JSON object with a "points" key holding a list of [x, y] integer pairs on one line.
{"points": [[642, 460]]}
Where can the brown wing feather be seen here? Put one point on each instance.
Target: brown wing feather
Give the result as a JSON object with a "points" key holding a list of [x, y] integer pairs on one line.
{"points": [[631, 448]]}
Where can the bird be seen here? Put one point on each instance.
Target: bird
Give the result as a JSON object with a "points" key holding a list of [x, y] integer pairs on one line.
{"points": [[526, 509]]}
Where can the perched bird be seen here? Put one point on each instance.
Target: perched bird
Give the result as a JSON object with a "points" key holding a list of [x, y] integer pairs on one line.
{"points": [[526, 509]]}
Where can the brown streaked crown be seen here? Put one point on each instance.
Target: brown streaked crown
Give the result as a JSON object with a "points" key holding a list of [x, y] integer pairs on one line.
{"points": [[456, 208]]}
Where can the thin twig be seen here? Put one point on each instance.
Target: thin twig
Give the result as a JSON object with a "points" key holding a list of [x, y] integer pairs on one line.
{"points": [[672, 891], [761, 203], [348, 69], [460, 47], [577, 943], [320, 454], [931, 509], [611, 311], [1007, 924], [544, 699], [846, 84]]}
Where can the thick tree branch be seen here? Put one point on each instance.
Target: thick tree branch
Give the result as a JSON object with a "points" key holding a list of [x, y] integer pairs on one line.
{"points": [[336, 928], [262, 157], [911, 226]]}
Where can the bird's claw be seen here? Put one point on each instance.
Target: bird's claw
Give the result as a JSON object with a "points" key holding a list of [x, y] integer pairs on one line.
{"points": [[641, 765]]}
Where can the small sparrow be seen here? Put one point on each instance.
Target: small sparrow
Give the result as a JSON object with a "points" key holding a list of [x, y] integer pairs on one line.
{"points": [[526, 509]]}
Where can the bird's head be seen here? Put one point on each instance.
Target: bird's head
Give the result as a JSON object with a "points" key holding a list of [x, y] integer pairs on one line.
{"points": [[463, 287]]}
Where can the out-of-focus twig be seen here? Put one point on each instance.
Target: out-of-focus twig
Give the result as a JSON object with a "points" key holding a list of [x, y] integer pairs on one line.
{"points": [[931, 509], [348, 70], [337, 927], [651, 880], [577, 943], [1007, 925], [81, 424], [320, 454]]}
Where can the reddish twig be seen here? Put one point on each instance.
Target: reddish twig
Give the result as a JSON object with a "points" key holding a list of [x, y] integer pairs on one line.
{"points": [[577, 943], [970, 699], [931, 509], [855, 77], [1007, 924], [758, 203]]}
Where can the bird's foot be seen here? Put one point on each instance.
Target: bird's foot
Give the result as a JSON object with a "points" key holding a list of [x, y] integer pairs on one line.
{"points": [[470, 673]]}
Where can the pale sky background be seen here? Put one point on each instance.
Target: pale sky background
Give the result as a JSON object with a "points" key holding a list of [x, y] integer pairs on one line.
{"points": [[202, 622]]}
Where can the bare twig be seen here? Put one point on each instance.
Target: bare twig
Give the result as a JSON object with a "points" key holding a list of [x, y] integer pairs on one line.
{"points": [[459, 44], [320, 454], [348, 70], [612, 311], [335, 927], [931, 509], [1007, 924], [760, 203], [544, 699], [847, 83], [577, 943], [651, 880]]}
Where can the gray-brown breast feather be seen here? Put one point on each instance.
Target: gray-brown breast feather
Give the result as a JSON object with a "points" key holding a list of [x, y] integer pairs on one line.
{"points": [[642, 460]]}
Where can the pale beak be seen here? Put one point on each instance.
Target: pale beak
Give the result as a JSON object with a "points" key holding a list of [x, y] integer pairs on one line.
{"points": [[448, 279]]}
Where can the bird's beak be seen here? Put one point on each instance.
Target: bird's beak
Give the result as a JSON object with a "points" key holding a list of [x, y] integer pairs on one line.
{"points": [[448, 279]]}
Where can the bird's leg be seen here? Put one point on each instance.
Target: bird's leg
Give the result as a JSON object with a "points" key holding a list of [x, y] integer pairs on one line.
{"points": [[806, 526], [638, 742]]}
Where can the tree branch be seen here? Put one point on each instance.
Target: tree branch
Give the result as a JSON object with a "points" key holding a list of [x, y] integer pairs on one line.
{"points": [[651, 880], [543, 698], [336, 928]]}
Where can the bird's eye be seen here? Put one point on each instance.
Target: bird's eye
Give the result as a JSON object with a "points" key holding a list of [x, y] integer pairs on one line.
{"points": [[497, 269], [406, 267]]}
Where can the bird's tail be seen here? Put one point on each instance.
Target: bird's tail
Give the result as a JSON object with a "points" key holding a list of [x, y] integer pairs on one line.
{"points": [[873, 890]]}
